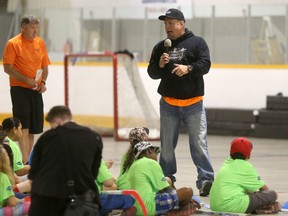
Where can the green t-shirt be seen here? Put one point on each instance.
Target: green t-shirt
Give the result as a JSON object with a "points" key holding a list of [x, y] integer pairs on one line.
{"points": [[232, 183], [103, 175], [5, 189], [147, 178], [122, 180], [17, 155]]}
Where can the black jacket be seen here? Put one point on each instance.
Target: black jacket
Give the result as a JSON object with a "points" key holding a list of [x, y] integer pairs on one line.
{"points": [[49, 167], [187, 50]]}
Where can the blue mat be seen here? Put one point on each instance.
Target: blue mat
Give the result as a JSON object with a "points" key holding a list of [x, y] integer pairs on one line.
{"points": [[284, 206], [197, 199]]}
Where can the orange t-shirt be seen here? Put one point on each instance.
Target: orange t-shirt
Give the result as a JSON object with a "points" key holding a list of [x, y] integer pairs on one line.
{"points": [[26, 56], [182, 103]]}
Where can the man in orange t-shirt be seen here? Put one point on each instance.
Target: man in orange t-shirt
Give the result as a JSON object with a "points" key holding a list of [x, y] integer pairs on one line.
{"points": [[26, 62]]}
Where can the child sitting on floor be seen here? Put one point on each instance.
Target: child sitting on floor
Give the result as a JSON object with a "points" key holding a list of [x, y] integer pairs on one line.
{"points": [[7, 197], [238, 187], [13, 128], [109, 202], [146, 176], [9, 204], [136, 135]]}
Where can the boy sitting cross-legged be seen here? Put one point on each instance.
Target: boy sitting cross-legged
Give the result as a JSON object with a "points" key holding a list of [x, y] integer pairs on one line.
{"points": [[238, 187]]}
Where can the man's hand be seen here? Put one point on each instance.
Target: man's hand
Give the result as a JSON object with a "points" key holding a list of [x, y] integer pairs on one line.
{"points": [[41, 88], [180, 70], [164, 59]]}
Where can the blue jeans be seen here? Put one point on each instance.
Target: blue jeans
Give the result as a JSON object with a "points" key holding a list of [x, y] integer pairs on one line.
{"points": [[194, 119]]}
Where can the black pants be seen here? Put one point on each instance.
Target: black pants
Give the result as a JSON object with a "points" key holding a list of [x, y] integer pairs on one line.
{"points": [[47, 206]]}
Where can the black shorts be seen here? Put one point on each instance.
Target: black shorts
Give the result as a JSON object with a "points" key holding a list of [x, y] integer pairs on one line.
{"points": [[27, 106]]}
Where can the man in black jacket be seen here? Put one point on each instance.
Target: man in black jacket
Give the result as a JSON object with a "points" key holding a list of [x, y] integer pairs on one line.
{"points": [[67, 149], [180, 62]]}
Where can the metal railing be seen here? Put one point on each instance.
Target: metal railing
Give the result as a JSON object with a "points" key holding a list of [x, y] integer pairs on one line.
{"points": [[238, 34]]}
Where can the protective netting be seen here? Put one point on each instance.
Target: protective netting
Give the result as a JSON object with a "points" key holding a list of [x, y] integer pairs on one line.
{"points": [[111, 102], [134, 106]]}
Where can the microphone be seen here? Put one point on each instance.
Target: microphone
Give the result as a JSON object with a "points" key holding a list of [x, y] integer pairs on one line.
{"points": [[167, 45]]}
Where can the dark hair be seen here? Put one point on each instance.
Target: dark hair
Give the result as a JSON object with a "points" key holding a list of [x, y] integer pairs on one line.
{"points": [[6, 164], [10, 123], [26, 19], [238, 155], [129, 156], [58, 112], [10, 154], [5, 144], [2, 135]]}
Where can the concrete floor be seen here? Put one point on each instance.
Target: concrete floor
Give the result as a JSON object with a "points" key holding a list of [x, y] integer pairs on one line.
{"points": [[269, 157]]}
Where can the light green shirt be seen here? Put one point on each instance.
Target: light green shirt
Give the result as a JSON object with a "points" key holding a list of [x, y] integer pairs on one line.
{"points": [[103, 175], [5, 189], [232, 183], [147, 178], [17, 155]]}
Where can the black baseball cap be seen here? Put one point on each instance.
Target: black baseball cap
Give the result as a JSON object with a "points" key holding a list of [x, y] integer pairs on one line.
{"points": [[173, 14]]}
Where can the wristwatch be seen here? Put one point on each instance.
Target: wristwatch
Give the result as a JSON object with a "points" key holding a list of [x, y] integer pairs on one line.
{"points": [[189, 67]]}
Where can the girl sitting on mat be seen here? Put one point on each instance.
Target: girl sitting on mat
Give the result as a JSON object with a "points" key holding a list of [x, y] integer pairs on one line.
{"points": [[13, 128], [7, 197], [9, 204], [136, 135]]}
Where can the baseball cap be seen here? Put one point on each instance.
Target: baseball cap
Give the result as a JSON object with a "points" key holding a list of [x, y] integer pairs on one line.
{"points": [[138, 134], [173, 14], [143, 145], [241, 145]]}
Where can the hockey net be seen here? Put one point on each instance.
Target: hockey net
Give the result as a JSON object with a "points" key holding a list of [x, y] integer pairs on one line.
{"points": [[106, 93]]}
